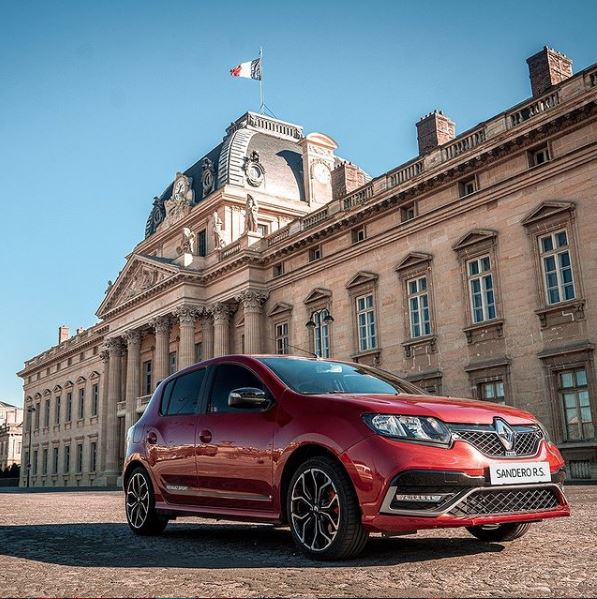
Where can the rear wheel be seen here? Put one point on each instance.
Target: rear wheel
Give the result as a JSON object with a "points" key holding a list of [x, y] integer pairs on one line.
{"points": [[323, 511], [499, 532], [141, 514]]}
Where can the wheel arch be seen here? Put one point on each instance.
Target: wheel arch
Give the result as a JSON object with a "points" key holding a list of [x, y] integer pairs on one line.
{"points": [[295, 459]]}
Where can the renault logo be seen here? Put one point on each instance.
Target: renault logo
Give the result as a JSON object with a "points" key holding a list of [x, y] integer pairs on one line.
{"points": [[505, 433]]}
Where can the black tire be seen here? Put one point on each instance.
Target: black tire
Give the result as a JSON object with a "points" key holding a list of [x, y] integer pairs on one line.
{"points": [[336, 520], [500, 532], [139, 505]]}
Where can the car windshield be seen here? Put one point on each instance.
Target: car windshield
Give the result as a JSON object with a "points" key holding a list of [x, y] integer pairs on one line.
{"points": [[313, 376]]}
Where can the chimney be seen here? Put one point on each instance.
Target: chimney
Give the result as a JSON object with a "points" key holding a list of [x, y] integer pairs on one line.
{"points": [[63, 334], [346, 177], [546, 68], [434, 129]]}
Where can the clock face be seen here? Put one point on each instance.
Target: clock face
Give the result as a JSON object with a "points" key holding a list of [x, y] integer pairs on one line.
{"points": [[321, 172], [179, 186]]}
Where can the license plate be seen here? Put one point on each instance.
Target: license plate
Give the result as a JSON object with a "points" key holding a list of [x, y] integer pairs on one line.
{"points": [[519, 473]]}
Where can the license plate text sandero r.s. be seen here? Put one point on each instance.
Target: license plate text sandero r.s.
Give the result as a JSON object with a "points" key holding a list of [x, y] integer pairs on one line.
{"points": [[519, 473]]}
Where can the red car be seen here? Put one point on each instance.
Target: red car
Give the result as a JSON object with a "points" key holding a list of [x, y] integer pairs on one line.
{"points": [[336, 451]]}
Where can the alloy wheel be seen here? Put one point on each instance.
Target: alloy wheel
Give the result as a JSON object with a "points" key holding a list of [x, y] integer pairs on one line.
{"points": [[315, 509], [137, 500]]}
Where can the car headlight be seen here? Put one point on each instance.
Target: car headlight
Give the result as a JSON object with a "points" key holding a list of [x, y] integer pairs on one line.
{"points": [[422, 429]]}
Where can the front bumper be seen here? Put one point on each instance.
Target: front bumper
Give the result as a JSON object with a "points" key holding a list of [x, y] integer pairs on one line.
{"points": [[457, 479]]}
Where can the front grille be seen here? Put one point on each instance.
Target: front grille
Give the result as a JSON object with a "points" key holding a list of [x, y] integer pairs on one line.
{"points": [[481, 502], [487, 441]]}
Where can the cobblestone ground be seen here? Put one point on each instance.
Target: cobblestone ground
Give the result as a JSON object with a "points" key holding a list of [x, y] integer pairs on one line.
{"points": [[77, 544]]}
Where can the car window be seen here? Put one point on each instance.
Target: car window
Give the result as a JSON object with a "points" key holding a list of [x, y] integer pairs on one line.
{"points": [[181, 395], [227, 378]]}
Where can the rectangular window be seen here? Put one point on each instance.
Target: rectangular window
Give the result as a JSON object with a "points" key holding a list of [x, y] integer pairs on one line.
{"points": [[147, 377], [94, 399], [366, 322], [278, 269], [37, 411], [407, 212], [574, 394], [492, 391], [358, 235], [467, 187], [69, 406], [44, 462], [321, 333], [315, 253], [47, 413], [539, 156], [34, 464], [57, 410], [557, 267], [198, 351], [262, 229], [481, 290], [66, 459], [79, 463], [418, 307], [282, 338], [55, 460], [92, 456], [81, 403], [202, 243], [172, 362]]}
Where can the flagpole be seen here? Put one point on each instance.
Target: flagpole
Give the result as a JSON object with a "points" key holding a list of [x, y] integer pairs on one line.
{"points": [[261, 102]]}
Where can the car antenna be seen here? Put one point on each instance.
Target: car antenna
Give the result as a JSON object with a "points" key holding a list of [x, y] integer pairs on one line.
{"points": [[305, 351]]}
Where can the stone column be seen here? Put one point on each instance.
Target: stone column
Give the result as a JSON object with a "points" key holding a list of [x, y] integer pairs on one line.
{"points": [[133, 376], [186, 348], [105, 358], [221, 314], [252, 302], [161, 326], [207, 334], [115, 349]]}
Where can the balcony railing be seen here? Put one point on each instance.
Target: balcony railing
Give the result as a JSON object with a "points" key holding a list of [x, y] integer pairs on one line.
{"points": [[230, 250], [532, 109], [404, 174], [464, 144], [358, 197], [312, 219]]}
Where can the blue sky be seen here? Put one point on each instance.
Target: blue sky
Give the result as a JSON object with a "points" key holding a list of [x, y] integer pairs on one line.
{"points": [[102, 102]]}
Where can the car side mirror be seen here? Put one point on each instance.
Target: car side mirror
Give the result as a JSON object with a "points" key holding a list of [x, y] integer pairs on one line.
{"points": [[247, 396]]}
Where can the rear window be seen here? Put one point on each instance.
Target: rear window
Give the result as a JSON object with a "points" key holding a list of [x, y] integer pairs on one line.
{"points": [[312, 376], [181, 395]]}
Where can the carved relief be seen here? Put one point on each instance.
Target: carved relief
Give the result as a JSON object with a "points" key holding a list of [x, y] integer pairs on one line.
{"points": [[179, 204], [254, 169], [208, 179], [187, 315], [252, 300]]}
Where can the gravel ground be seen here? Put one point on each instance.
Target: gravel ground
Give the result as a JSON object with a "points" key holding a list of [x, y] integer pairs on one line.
{"points": [[77, 544]]}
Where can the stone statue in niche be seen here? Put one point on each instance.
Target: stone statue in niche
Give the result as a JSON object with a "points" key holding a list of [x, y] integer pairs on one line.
{"points": [[219, 240], [187, 245], [251, 214]]}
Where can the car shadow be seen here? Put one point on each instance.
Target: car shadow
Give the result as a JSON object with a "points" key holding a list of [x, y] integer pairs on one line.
{"points": [[218, 546]]}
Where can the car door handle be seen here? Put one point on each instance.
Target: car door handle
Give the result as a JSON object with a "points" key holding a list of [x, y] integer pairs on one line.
{"points": [[152, 438], [205, 436]]}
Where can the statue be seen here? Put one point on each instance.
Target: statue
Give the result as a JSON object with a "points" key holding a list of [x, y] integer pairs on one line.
{"points": [[220, 242], [187, 245], [110, 284], [251, 214]]}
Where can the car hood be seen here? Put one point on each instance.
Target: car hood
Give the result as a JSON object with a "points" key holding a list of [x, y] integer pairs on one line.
{"points": [[447, 409]]}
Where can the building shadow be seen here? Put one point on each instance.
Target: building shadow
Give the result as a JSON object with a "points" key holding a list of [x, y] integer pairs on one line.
{"points": [[214, 546]]}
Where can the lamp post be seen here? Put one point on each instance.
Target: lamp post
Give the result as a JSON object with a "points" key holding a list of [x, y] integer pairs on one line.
{"points": [[30, 410]]}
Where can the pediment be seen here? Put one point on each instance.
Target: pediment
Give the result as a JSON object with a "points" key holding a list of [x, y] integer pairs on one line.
{"points": [[473, 237], [37, 395], [57, 389], [317, 294], [361, 278], [47, 392], [414, 259], [81, 380], [547, 210], [94, 375], [141, 274], [279, 308], [68, 385]]}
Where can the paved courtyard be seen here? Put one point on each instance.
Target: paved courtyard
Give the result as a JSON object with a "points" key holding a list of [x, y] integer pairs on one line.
{"points": [[77, 544]]}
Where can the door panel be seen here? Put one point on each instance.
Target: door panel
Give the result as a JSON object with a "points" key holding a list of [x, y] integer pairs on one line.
{"points": [[234, 445], [172, 450]]}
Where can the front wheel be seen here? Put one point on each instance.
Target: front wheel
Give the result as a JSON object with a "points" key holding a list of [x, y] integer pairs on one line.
{"points": [[323, 511], [496, 533], [141, 514]]}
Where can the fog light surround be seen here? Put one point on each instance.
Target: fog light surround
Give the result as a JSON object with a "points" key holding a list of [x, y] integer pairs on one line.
{"points": [[420, 497]]}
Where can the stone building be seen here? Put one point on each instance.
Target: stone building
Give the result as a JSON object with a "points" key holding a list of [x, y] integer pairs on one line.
{"points": [[11, 426], [469, 269]]}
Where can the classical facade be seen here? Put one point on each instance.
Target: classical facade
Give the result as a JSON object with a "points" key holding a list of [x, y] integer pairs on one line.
{"points": [[11, 426], [470, 270]]}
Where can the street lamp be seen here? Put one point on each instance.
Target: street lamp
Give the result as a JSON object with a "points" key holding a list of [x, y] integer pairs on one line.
{"points": [[30, 410]]}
